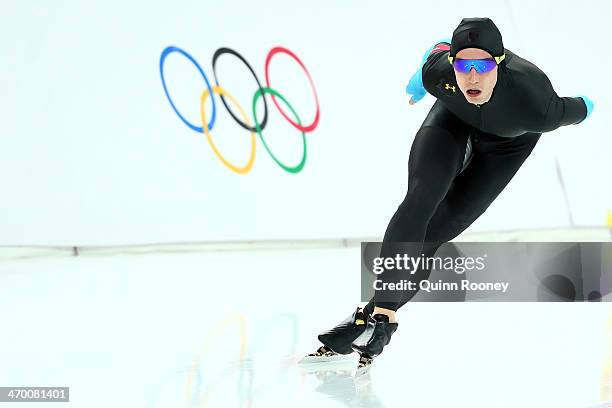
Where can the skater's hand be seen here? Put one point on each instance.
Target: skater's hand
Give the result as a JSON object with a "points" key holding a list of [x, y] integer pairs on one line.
{"points": [[415, 88], [589, 104]]}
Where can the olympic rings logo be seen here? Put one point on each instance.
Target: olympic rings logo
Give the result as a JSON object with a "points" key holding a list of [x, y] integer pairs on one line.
{"points": [[243, 119]]}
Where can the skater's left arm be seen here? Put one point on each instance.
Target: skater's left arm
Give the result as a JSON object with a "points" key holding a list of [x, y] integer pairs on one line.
{"points": [[562, 111]]}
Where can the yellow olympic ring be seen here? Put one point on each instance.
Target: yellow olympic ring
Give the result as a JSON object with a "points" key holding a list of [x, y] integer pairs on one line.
{"points": [[220, 91]]}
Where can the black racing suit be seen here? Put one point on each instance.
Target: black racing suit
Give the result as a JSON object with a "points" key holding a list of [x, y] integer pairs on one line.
{"points": [[464, 155]]}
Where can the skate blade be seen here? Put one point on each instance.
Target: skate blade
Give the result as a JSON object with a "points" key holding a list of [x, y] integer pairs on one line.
{"points": [[326, 359], [361, 371], [339, 366]]}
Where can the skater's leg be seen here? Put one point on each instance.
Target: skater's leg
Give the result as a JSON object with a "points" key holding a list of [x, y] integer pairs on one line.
{"points": [[490, 170], [433, 162], [473, 191], [436, 157]]}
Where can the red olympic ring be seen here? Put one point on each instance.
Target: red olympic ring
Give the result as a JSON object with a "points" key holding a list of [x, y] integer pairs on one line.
{"points": [[315, 122]]}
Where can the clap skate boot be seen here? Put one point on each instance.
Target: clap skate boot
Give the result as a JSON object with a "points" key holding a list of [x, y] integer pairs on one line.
{"points": [[376, 336], [337, 341]]}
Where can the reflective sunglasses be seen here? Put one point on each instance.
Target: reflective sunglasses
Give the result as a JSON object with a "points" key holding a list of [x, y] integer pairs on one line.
{"points": [[480, 65]]}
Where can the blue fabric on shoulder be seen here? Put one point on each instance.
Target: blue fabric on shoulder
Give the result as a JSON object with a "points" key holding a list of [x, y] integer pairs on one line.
{"points": [[415, 85]]}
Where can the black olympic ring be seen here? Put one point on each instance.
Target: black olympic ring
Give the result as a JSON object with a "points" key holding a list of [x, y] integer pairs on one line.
{"points": [[225, 50]]}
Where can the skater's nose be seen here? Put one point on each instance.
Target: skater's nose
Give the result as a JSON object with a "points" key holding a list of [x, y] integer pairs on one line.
{"points": [[473, 76]]}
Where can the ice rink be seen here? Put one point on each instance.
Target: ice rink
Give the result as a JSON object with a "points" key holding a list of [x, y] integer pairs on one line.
{"points": [[183, 327]]}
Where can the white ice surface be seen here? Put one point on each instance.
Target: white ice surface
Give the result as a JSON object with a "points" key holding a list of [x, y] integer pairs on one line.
{"points": [[225, 329]]}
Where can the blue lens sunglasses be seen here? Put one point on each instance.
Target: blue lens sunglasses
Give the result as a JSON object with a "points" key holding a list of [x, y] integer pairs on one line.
{"points": [[480, 65]]}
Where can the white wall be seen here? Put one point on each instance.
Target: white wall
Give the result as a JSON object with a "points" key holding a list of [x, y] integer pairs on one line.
{"points": [[92, 153]]}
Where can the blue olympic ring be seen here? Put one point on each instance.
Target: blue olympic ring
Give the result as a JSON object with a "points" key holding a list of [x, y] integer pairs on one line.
{"points": [[167, 52]]}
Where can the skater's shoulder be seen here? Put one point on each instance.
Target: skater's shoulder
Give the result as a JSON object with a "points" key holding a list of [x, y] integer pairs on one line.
{"points": [[437, 61], [520, 73], [437, 68], [524, 81]]}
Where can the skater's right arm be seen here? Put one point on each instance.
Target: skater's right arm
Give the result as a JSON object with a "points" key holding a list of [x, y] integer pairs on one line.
{"points": [[415, 87]]}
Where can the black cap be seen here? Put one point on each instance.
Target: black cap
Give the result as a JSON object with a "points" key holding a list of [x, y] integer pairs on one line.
{"points": [[478, 32]]}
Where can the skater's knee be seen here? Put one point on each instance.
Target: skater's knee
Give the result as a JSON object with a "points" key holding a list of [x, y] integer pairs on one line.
{"points": [[422, 195], [422, 186]]}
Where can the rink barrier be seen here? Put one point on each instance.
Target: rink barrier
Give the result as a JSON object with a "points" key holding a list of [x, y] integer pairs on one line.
{"points": [[15, 252]]}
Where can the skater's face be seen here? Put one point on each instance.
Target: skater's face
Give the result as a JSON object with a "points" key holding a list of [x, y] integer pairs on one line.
{"points": [[476, 87]]}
